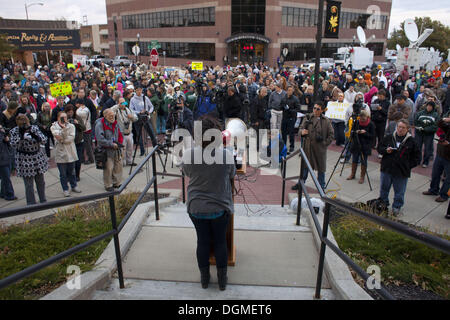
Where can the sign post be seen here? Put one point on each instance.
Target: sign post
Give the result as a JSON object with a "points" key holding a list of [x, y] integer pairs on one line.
{"points": [[136, 51]]}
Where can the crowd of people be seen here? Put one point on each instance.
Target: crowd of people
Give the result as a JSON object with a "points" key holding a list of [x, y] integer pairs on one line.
{"points": [[115, 109]]}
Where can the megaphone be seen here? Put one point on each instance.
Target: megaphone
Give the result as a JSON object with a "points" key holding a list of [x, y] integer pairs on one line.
{"points": [[234, 128]]}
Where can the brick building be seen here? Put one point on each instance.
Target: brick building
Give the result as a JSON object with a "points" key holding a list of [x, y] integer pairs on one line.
{"points": [[237, 30], [94, 39]]}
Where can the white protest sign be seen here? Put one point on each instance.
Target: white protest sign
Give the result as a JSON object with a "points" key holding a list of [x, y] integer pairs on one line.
{"points": [[336, 110], [79, 58]]}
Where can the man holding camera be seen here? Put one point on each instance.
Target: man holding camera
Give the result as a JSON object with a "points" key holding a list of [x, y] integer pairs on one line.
{"points": [[318, 134], [180, 117], [125, 118], [110, 140], [143, 108], [400, 154]]}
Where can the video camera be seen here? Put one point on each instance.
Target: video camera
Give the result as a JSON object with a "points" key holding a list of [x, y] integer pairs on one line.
{"points": [[357, 107]]}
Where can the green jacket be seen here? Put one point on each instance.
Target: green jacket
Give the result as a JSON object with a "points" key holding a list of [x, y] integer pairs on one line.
{"points": [[191, 100], [426, 122], [156, 101], [167, 100]]}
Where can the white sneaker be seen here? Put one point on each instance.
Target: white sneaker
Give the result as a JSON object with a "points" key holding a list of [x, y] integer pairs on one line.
{"points": [[76, 190], [342, 160], [424, 166], [66, 193], [380, 156]]}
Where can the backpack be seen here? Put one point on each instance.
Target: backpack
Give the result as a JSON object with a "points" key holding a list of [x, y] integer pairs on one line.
{"points": [[378, 206]]}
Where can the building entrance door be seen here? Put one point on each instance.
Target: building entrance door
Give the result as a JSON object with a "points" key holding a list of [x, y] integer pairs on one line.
{"points": [[246, 51]]}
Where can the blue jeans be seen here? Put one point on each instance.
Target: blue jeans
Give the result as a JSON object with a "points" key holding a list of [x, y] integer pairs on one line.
{"points": [[67, 175], [214, 230], [161, 124], [7, 190], [320, 177], [399, 183], [440, 165], [427, 141], [339, 132]]}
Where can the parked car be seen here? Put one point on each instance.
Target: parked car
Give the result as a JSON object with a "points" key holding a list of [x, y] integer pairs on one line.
{"points": [[387, 67], [325, 63], [121, 61], [98, 59]]}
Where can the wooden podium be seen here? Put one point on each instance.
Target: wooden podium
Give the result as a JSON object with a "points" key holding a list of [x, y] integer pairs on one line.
{"points": [[231, 248]]}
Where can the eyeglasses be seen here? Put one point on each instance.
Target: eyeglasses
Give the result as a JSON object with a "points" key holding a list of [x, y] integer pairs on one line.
{"points": [[318, 109]]}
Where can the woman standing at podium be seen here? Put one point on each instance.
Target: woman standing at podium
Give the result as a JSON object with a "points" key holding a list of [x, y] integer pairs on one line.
{"points": [[210, 201]]}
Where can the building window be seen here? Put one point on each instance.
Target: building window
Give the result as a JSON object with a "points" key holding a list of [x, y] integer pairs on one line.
{"points": [[170, 19], [304, 17], [248, 16], [182, 50], [86, 36]]}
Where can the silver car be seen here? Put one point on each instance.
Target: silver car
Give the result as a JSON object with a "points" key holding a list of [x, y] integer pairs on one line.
{"points": [[121, 61], [325, 63]]}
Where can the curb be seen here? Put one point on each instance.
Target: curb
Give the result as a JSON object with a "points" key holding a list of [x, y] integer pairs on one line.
{"points": [[106, 264]]}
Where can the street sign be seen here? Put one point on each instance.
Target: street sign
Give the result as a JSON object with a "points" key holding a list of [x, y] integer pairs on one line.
{"points": [[136, 50], [154, 44], [154, 58]]}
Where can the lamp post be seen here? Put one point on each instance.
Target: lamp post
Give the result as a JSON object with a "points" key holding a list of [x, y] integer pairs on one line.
{"points": [[138, 37], [31, 4]]}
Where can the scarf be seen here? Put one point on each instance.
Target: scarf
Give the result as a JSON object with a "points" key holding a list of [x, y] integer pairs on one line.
{"points": [[364, 123]]}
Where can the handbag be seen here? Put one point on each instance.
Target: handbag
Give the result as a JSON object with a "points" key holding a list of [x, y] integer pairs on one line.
{"points": [[100, 158]]}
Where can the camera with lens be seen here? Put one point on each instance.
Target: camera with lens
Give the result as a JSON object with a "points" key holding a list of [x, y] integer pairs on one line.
{"points": [[319, 138], [357, 107], [126, 124], [71, 121], [143, 116]]}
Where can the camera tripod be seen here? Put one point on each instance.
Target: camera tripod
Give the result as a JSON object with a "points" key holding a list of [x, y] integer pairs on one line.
{"points": [[353, 133], [165, 148]]}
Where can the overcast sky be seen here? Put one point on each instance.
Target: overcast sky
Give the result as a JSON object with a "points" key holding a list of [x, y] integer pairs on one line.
{"points": [[96, 10]]}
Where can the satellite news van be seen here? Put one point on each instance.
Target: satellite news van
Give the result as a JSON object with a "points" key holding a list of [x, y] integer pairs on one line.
{"points": [[415, 57], [355, 58]]}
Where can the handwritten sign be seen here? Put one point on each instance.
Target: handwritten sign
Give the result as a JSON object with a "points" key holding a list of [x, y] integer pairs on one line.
{"points": [[197, 66], [336, 110], [61, 89]]}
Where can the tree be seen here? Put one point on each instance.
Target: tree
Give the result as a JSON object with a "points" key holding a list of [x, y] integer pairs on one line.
{"points": [[439, 39], [6, 49]]}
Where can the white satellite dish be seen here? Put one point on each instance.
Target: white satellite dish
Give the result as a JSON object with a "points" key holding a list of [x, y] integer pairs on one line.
{"points": [[411, 31], [361, 35], [398, 47]]}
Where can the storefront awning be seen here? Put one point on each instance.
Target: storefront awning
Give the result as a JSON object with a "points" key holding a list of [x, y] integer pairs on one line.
{"points": [[247, 36], [86, 44]]}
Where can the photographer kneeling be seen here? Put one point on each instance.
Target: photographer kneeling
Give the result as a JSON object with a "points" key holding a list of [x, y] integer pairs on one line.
{"points": [[110, 140], [362, 141]]}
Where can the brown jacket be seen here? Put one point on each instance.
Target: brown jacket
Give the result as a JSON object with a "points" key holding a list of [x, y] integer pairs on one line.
{"points": [[397, 112], [317, 151]]}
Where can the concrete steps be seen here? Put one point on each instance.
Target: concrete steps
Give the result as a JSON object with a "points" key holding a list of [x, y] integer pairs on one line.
{"points": [[251, 217], [163, 290]]}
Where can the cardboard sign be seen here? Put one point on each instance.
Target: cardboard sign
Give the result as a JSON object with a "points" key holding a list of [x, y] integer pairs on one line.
{"points": [[197, 66], [336, 110], [61, 89]]}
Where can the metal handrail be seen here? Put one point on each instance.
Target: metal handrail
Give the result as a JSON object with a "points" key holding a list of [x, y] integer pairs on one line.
{"points": [[425, 238], [115, 229]]}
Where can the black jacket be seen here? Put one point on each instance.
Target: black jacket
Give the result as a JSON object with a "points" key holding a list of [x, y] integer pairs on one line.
{"points": [[380, 116], [232, 106], [400, 162], [363, 142], [258, 110], [294, 107], [184, 120], [444, 150]]}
